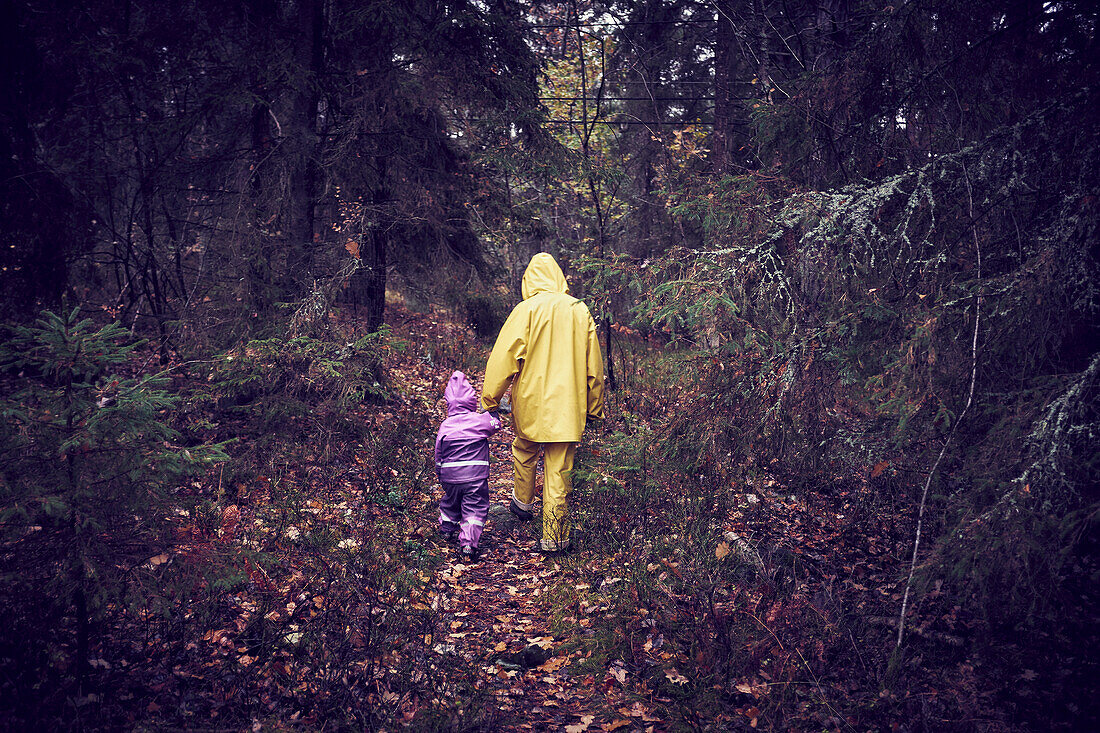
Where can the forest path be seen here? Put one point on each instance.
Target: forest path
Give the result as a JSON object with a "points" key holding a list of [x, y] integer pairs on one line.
{"points": [[496, 617], [497, 631]]}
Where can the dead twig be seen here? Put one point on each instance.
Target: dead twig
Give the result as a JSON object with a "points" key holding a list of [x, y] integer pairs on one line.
{"points": [[955, 426]]}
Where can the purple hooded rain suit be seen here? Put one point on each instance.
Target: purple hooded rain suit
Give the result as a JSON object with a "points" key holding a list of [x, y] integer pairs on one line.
{"points": [[462, 462]]}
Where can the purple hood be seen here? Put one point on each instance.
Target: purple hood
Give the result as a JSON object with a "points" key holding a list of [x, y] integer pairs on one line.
{"points": [[461, 397]]}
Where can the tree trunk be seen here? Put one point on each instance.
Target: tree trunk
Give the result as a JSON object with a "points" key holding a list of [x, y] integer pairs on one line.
{"points": [[304, 143], [721, 156], [258, 247], [80, 608], [367, 286], [733, 73]]}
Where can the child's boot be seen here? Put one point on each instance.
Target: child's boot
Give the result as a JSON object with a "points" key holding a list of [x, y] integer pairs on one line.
{"points": [[447, 532]]}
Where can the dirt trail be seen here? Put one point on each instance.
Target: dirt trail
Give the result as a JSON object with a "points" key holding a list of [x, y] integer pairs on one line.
{"points": [[494, 616]]}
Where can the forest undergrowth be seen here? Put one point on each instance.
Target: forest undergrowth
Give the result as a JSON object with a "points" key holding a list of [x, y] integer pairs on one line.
{"points": [[296, 581], [844, 258]]}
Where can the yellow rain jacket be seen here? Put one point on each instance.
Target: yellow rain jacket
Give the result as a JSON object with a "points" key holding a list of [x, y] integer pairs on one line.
{"points": [[549, 344]]}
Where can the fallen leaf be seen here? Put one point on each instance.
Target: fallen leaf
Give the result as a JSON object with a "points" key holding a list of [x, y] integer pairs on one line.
{"points": [[675, 677], [543, 642], [553, 664], [615, 724], [586, 720], [722, 550], [637, 710]]}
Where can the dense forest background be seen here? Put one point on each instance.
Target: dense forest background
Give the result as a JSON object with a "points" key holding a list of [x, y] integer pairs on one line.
{"points": [[843, 255]]}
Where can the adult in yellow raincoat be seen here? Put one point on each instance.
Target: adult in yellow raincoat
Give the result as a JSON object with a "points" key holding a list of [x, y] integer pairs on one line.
{"points": [[550, 347]]}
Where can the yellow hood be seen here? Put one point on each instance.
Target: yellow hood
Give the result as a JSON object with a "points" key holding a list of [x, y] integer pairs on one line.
{"points": [[543, 275]]}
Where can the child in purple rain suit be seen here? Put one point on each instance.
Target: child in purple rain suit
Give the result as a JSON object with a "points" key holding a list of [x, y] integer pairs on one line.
{"points": [[462, 463]]}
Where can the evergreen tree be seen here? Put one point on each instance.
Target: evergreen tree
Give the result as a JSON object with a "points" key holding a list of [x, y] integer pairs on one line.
{"points": [[90, 468]]}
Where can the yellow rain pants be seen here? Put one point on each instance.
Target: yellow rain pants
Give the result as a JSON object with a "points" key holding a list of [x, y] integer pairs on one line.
{"points": [[557, 459]]}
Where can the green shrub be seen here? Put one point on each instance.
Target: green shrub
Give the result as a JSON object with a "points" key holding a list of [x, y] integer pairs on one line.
{"points": [[300, 372]]}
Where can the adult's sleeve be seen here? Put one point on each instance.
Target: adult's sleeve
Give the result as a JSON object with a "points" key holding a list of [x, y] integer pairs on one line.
{"points": [[595, 372], [504, 362]]}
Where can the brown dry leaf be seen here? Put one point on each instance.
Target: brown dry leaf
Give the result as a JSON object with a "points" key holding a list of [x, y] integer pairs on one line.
{"points": [[756, 689], [879, 468], [231, 515], [615, 724], [618, 673], [501, 646], [553, 664], [637, 710], [158, 560], [675, 677], [586, 720], [543, 642], [722, 550]]}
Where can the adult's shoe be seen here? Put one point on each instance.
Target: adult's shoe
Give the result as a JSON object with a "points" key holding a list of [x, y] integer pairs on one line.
{"points": [[522, 511], [552, 547]]}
